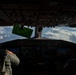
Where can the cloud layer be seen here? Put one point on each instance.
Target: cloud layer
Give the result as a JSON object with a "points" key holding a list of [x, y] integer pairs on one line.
{"points": [[62, 33]]}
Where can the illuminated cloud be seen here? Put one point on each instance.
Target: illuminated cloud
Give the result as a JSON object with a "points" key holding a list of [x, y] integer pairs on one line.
{"points": [[1, 37], [62, 33]]}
